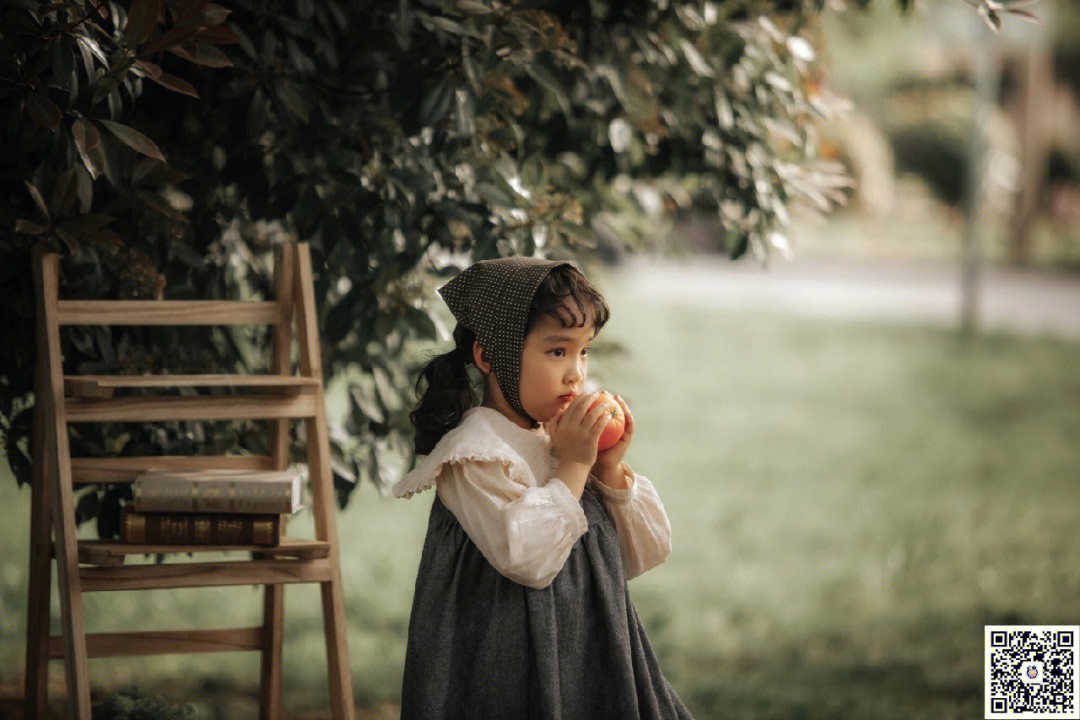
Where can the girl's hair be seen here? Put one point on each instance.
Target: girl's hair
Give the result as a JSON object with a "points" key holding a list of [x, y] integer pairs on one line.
{"points": [[450, 390]]}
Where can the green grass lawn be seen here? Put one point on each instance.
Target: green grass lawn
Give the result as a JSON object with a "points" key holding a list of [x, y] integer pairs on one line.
{"points": [[850, 504]]}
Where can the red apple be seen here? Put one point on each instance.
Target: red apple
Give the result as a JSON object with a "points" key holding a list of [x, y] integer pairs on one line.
{"points": [[615, 427]]}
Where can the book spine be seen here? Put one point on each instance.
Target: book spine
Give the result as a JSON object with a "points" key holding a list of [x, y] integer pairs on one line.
{"points": [[173, 528], [215, 496]]}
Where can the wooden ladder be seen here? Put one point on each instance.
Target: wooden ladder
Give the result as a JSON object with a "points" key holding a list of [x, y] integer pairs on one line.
{"points": [[98, 565]]}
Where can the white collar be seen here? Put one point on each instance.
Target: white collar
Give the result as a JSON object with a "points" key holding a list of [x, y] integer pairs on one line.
{"points": [[503, 439], [539, 434]]}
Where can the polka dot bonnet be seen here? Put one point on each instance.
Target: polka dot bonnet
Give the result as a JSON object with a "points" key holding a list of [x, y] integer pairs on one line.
{"points": [[492, 298]]}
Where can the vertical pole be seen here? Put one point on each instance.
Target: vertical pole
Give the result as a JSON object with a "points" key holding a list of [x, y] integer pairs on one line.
{"points": [[324, 507], [274, 594], [46, 282], [985, 77], [35, 696]]}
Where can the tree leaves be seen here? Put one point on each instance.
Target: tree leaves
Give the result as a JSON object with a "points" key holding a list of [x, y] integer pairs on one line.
{"points": [[88, 142], [134, 139], [38, 199], [170, 38], [202, 54], [43, 111], [170, 82], [401, 141], [142, 19]]}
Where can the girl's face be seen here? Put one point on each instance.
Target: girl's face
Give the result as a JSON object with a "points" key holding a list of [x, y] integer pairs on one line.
{"points": [[554, 363]]}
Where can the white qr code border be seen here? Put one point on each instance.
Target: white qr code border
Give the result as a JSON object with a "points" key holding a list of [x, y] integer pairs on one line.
{"points": [[996, 637]]}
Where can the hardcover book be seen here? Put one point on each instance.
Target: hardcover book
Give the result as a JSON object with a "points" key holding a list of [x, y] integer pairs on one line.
{"points": [[218, 491], [199, 528]]}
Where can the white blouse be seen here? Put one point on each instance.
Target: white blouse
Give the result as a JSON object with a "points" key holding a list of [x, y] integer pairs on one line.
{"points": [[485, 471]]}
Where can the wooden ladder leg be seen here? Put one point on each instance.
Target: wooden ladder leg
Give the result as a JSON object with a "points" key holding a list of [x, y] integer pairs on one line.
{"points": [[76, 669], [342, 703], [46, 281], [333, 602], [324, 507], [36, 691], [270, 675], [274, 595]]}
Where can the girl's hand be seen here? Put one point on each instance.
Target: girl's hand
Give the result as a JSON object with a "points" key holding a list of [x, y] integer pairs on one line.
{"points": [[609, 460], [575, 430]]}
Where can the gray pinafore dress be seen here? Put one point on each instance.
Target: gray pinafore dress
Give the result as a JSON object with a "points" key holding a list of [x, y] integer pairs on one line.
{"points": [[481, 646]]}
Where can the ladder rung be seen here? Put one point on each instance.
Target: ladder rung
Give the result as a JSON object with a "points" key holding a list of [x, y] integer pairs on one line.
{"points": [[111, 553], [201, 407], [124, 469], [189, 574], [167, 312], [99, 386], [162, 642]]}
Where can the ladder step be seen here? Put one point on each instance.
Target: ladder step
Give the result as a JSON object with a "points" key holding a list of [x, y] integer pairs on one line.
{"points": [[124, 469], [112, 553], [202, 407], [101, 386], [163, 642], [189, 574], [168, 312]]}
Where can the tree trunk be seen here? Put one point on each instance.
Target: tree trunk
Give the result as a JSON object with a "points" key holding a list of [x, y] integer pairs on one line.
{"points": [[1036, 85]]}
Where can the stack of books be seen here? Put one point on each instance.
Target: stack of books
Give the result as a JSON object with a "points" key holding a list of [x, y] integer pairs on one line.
{"points": [[212, 507]]}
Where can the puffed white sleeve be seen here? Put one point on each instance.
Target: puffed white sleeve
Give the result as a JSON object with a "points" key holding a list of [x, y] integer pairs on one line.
{"points": [[525, 532], [640, 522]]}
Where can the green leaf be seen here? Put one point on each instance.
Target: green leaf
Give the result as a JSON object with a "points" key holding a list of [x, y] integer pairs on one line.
{"points": [[165, 80], [134, 139], [176, 84], [218, 35], [35, 194], [214, 14], [365, 402], [64, 191], [43, 111], [84, 188], [471, 7], [993, 20], [88, 143], [170, 38], [543, 76], [1024, 15], [28, 228], [189, 10], [151, 70], [695, 60], [492, 196], [68, 238], [300, 59], [142, 19], [201, 54], [292, 100], [384, 386], [436, 103]]}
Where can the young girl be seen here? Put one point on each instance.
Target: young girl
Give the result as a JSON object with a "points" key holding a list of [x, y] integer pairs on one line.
{"points": [[521, 608]]}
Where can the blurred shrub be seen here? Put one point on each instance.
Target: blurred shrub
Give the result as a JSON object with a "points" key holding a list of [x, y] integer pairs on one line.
{"points": [[936, 152], [132, 704]]}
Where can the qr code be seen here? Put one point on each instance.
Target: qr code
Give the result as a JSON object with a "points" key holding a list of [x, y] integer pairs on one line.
{"points": [[1031, 671]]}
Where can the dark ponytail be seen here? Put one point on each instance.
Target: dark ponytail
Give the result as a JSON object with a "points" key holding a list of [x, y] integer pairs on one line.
{"points": [[449, 392]]}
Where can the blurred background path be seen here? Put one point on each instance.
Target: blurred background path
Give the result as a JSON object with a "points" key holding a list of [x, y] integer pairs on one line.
{"points": [[1029, 302]]}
